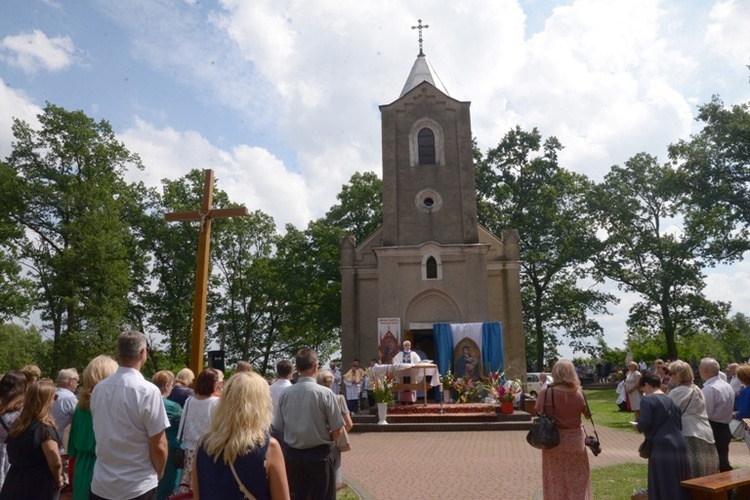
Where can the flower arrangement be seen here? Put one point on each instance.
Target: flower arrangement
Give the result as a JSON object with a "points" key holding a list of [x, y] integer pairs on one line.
{"points": [[503, 390], [467, 389], [382, 386], [447, 380]]}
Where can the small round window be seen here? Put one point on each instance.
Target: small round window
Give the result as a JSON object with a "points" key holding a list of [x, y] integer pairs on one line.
{"points": [[428, 201]]}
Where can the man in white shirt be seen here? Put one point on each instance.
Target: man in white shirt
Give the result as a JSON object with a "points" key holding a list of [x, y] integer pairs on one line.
{"points": [[336, 378], [282, 382], [719, 406], [129, 423]]}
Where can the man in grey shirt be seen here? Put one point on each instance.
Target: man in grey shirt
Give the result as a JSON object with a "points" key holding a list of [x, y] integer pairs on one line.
{"points": [[719, 406], [309, 419]]}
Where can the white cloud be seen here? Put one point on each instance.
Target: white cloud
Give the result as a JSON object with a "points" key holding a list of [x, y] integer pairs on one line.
{"points": [[15, 104], [250, 175], [35, 51], [728, 34]]}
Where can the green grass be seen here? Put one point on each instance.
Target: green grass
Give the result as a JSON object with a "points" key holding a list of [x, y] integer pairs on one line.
{"points": [[618, 481], [605, 411]]}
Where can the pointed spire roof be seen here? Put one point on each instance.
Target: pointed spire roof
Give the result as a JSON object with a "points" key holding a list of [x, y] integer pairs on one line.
{"points": [[422, 71]]}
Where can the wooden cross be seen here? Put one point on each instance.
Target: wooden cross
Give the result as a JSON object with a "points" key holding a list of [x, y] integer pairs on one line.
{"points": [[420, 26], [204, 215]]}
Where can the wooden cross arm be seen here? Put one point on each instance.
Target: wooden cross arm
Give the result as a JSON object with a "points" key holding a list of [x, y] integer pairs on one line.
{"points": [[217, 213]]}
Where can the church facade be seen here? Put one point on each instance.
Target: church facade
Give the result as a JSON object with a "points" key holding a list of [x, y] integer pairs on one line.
{"points": [[430, 262]]}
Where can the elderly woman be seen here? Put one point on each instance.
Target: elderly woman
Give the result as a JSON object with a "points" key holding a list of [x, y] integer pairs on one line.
{"points": [[326, 378], [701, 451], [632, 387], [565, 468], [661, 423], [196, 418], [182, 383], [81, 443], [169, 481], [238, 453]]}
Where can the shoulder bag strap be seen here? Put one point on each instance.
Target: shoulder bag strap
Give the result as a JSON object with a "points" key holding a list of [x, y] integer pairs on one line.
{"points": [[5, 426], [182, 420], [248, 495], [692, 393], [591, 415]]}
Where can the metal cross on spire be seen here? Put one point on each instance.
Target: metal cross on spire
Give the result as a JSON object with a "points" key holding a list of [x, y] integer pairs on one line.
{"points": [[419, 27]]}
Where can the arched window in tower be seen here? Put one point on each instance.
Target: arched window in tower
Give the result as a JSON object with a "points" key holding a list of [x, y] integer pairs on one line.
{"points": [[431, 268], [426, 141]]}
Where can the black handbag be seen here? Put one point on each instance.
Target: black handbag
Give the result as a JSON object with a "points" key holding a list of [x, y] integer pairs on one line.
{"points": [[178, 458], [543, 433]]}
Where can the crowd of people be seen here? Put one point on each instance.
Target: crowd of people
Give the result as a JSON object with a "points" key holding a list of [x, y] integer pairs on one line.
{"points": [[118, 435], [689, 427]]}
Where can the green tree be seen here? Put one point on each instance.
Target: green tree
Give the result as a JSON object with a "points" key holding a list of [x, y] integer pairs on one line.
{"points": [[21, 346], [69, 198], [521, 185], [715, 164], [647, 252]]}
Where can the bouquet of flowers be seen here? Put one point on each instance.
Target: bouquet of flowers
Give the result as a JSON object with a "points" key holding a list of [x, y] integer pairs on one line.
{"points": [[447, 380], [467, 389], [382, 386], [503, 390]]}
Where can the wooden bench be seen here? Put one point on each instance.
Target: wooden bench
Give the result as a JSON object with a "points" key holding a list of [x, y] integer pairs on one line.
{"points": [[716, 486]]}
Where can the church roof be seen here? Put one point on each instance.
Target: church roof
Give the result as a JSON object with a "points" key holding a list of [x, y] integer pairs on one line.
{"points": [[422, 71]]}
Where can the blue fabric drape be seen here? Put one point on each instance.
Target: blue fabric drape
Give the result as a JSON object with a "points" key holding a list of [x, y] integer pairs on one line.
{"points": [[492, 347], [443, 347]]}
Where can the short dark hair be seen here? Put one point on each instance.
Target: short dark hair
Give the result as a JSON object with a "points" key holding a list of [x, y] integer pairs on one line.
{"points": [[306, 359], [650, 378], [206, 381], [284, 368]]}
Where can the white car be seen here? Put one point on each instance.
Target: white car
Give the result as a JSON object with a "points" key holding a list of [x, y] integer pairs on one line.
{"points": [[534, 385]]}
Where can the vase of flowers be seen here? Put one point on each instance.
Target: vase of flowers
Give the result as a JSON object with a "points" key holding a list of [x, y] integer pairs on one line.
{"points": [[504, 391], [447, 382], [382, 391]]}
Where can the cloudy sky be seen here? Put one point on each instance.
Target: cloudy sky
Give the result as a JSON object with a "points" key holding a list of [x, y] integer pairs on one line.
{"points": [[280, 97]]}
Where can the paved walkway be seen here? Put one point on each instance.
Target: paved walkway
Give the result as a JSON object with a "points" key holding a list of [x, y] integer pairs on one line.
{"points": [[492, 464]]}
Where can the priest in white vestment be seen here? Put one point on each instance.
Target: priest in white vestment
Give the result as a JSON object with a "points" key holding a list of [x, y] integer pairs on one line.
{"points": [[407, 356]]}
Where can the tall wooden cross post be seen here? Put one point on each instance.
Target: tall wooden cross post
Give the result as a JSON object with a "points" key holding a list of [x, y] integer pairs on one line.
{"points": [[204, 215]]}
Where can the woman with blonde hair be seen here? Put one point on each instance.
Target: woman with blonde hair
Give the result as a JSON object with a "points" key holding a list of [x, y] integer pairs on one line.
{"points": [[182, 387], [82, 443], [565, 468], [33, 448], [238, 454], [632, 387], [170, 480], [703, 458]]}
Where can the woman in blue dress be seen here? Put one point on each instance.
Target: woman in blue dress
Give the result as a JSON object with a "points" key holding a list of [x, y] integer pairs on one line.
{"points": [[238, 451], [660, 420]]}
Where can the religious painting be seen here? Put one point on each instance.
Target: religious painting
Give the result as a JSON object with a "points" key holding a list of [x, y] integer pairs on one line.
{"points": [[467, 360], [388, 338]]}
